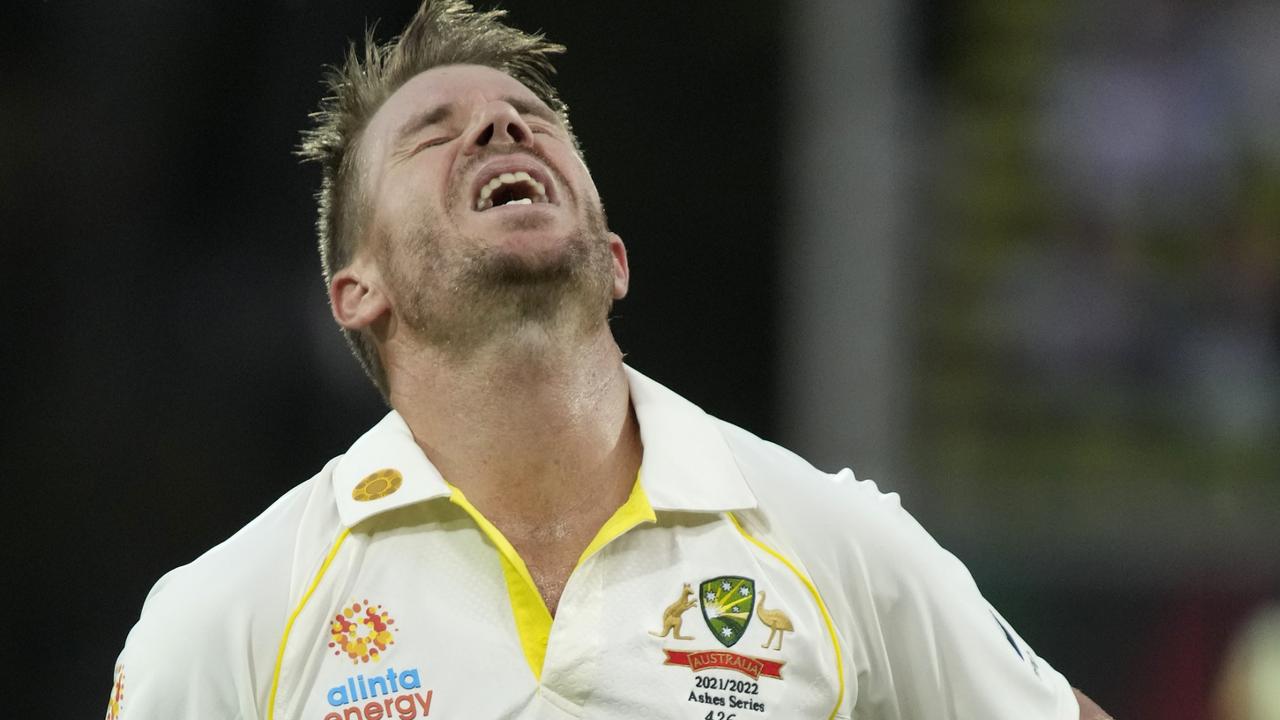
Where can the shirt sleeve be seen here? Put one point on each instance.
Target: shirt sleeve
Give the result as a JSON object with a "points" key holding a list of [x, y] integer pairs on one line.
{"points": [[205, 645], [931, 646], [190, 655]]}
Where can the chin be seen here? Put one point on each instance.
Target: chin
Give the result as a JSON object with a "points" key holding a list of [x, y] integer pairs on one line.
{"points": [[533, 260], [533, 245], [538, 243]]}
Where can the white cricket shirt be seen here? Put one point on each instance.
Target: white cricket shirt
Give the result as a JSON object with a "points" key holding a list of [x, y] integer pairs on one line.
{"points": [[736, 583]]}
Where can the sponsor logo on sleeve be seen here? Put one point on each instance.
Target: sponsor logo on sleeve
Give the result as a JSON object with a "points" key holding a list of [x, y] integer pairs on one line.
{"points": [[115, 703], [1029, 657]]}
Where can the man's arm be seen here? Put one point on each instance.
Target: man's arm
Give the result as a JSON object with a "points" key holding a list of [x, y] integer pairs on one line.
{"points": [[1089, 710]]}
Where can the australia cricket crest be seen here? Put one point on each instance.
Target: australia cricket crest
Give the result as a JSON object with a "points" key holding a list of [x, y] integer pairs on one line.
{"points": [[727, 604]]}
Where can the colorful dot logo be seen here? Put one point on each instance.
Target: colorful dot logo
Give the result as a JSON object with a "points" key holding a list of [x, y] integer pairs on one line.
{"points": [[361, 631], [116, 702], [377, 485]]}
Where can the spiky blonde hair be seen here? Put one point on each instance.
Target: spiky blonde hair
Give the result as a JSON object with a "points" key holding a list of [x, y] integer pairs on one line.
{"points": [[441, 32]]}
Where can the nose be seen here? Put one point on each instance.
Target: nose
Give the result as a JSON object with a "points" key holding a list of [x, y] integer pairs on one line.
{"points": [[497, 123]]}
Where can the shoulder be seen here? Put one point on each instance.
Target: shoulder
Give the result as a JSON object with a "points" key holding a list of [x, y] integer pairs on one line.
{"points": [[252, 565], [215, 622], [884, 580], [857, 543], [803, 505]]}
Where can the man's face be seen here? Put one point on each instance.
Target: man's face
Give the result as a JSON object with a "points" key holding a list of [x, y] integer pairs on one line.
{"points": [[483, 218]]}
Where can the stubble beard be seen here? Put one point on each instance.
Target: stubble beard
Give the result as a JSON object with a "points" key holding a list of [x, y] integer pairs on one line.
{"points": [[461, 296]]}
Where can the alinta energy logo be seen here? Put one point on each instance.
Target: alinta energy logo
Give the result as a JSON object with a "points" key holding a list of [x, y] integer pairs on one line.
{"points": [[361, 631], [116, 702]]}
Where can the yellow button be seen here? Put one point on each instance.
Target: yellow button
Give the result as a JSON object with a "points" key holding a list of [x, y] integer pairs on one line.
{"points": [[377, 485]]}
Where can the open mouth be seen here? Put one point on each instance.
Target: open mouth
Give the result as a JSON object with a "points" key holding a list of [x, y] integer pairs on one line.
{"points": [[511, 188]]}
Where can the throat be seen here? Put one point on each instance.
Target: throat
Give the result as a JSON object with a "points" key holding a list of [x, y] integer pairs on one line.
{"points": [[550, 568], [550, 542]]}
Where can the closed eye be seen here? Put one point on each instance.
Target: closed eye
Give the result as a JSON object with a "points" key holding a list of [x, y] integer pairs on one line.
{"points": [[430, 143], [542, 128]]}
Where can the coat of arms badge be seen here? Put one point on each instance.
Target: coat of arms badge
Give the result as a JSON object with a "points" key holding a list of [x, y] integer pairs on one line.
{"points": [[727, 605]]}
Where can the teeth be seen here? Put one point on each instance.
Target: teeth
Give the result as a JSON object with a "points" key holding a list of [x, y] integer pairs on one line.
{"points": [[483, 202]]}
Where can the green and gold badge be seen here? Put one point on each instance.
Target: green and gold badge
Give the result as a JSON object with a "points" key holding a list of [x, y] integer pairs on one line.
{"points": [[727, 603]]}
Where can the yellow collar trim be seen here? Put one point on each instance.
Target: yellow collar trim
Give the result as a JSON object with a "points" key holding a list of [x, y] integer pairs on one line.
{"points": [[532, 618], [631, 513]]}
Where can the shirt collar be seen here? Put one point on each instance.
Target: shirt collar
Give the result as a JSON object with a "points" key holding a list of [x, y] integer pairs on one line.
{"points": [[687, 464], [387, 446]]}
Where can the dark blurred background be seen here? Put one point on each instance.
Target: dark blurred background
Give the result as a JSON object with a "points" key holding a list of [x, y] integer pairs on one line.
{"points": [[1019, 262]]}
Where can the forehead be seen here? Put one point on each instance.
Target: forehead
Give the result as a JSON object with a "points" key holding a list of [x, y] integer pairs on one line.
{"points": [[459, 85]]}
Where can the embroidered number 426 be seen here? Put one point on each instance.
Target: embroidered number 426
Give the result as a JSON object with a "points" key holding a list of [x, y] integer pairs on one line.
{"points": [[720, 715]]}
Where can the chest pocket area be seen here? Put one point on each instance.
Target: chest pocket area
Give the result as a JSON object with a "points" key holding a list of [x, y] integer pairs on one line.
{"points": [[720, 627]]}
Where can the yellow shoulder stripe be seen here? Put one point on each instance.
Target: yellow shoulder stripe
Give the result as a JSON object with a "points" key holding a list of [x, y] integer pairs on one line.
{"points": [[826, 616], [284, 641]]}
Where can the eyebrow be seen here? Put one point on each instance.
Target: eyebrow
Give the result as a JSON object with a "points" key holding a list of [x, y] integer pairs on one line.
{"points": [[439, 113]]}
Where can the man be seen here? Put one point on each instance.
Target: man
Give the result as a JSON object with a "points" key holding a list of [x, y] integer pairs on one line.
{"points": [[536, 530]]}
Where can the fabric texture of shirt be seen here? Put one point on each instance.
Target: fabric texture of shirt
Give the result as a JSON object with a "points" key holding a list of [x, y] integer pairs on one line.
{"points": [[736, 582]]}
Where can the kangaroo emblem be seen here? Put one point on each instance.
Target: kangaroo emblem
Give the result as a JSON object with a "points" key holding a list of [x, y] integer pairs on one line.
{"points": [[671, 620]]}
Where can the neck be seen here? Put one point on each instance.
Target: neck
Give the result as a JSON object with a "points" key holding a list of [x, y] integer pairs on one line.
{"points": [[537, 433]]}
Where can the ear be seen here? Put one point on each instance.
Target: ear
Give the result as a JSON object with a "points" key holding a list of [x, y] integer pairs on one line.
{"points": [[621, 271], [356, 296]]}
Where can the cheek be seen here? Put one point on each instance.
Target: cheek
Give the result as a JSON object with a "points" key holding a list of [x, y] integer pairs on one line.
{"points": [[410, 215], [585, 188], [420, 182], [583, 173]]}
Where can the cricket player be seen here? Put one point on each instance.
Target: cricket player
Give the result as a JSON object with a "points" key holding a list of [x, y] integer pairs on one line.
{"points": [[536, 530]]}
